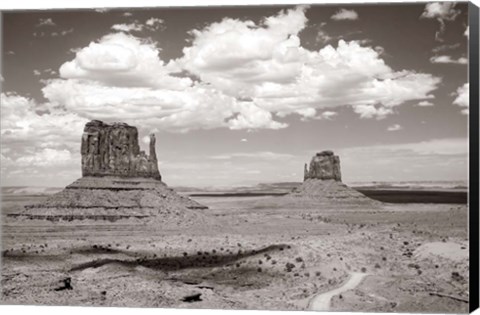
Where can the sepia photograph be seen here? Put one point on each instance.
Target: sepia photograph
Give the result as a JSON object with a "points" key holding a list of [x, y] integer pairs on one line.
{"points": [[309, 157]]}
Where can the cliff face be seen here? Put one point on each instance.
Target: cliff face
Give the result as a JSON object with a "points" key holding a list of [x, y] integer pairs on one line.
{"points": [[324, 166], [113, 150]]}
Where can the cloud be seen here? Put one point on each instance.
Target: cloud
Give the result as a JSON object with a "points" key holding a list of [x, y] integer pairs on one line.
{"points": [[123, 72], [45, 157], [244, 140], [127, 14], [445, 47], [441, 11], [36, 72], [448, 59], [127, 27], [322, 36], [196, 107], [122, 60], [328, 115], [344, 14], [152, 24], [25, 121], [370, 111], [45, 22], [281, 76], [50, 71], [462, 98], [467, 32], [66, 32], [425, 103], [35, 139], [234, 74], [394, 127], [102, 10]]}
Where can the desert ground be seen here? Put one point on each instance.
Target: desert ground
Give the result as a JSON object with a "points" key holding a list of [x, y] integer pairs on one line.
{"points": [[245, 252]]}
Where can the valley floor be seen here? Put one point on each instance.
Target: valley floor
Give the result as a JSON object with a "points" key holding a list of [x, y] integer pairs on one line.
{"points": [[412, 257]]}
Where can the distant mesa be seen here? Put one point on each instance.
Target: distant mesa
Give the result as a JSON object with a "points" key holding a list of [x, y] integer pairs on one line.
{"points": [[322, 189], [322, 184], [118, 182]]}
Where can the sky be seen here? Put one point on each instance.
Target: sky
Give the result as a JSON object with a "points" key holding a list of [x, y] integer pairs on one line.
{"points": [[240, 95]]}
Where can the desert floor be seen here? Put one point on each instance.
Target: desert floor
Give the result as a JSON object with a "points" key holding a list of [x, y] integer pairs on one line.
{"points": [[394, 258]]}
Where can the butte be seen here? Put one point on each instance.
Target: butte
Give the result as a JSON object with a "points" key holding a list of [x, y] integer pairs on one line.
{"points": [[322, 188], [118, 182]]}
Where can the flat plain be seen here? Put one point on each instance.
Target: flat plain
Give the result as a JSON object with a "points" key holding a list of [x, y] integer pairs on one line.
{"points": [[245, 252]]}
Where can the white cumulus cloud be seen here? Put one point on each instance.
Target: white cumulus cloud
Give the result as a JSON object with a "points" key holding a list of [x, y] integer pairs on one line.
{"points": [[268, 65], [448, 59], [441, 11], [122, 60], [35, 137], [246, 75], [344, 14], [462, 98]]}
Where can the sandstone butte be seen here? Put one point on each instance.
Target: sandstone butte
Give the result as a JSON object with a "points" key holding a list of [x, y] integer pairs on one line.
{"points": [[119, 181], [322, 185]]}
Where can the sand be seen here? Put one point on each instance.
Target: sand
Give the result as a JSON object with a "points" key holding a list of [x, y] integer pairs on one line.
{"points": [[246, 257]]}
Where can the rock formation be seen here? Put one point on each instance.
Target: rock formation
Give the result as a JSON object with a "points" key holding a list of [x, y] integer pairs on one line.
{"points": [[324, 165], [113, 150], [322, 187], [118, 182]]}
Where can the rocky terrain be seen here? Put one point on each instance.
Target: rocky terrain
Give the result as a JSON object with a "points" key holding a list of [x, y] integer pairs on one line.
{"points": [[414, 257]]}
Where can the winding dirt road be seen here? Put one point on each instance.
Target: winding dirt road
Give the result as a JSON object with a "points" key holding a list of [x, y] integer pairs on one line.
{"points": [[321, 302]]}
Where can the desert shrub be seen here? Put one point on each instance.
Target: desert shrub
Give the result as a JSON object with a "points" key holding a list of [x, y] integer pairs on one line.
{"points": [[289, 266]]}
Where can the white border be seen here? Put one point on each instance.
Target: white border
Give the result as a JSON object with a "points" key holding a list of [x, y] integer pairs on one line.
{"points": [[59, 4]]}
